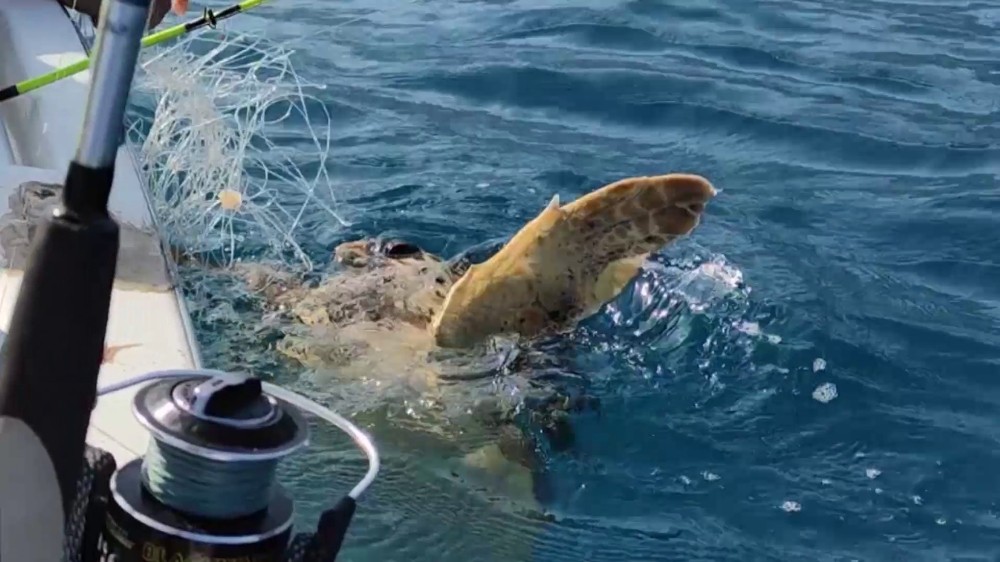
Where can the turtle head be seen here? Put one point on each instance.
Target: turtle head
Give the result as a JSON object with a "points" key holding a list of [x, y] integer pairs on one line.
{"points": [[368, 253], [405, 281]]}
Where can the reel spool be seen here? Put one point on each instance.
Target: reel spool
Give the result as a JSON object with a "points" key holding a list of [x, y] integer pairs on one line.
{"points": [[206, 488]]}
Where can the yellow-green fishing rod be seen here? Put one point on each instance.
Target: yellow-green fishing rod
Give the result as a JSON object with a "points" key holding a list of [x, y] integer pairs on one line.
{"points": [[209, 19]]}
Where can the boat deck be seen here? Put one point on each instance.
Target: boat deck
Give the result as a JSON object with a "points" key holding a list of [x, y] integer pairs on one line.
{"points": [[149, 328]]}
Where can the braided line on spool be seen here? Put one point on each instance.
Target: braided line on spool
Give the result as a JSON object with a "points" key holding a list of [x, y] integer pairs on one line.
{"points": [[205, 487], [360, 438]]}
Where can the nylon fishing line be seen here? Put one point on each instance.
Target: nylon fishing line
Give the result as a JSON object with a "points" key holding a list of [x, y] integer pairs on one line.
{"points": [[205, 487]]}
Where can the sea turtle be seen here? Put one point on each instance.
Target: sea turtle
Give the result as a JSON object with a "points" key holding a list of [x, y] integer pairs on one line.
{"points": [[390, 308], [400, 316]]}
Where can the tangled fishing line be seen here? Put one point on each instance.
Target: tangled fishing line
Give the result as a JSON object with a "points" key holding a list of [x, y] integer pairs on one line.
{"points": [[219, 187]]}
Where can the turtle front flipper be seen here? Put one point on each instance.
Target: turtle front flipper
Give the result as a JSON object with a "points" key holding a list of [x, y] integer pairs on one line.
{"points": [[613, 280], [510, 463], [570, 259], [525, 438]]}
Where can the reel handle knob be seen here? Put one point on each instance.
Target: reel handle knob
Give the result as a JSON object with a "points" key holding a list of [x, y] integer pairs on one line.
{"points": [[231, 399], [224, 397]]}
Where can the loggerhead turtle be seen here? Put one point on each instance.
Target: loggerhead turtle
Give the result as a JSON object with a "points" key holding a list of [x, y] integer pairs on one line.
{"points": [[392, 307]]}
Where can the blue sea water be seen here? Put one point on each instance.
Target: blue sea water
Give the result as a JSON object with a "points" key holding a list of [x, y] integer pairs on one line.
{"points": [[853, 245]]}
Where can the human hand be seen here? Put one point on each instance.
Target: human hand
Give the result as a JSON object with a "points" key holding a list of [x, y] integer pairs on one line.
{"points": [[159, 10]]}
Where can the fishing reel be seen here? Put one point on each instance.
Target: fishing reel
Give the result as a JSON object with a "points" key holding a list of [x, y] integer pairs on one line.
{"points": [[206, 489]]}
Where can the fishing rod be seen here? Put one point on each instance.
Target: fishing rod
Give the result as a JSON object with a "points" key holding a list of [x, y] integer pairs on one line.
{"points": [[54, 348], [209, 19], [206, 488]]}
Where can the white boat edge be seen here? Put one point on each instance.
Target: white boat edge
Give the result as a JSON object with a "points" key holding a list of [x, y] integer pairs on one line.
{"points": [[149, 327]]}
